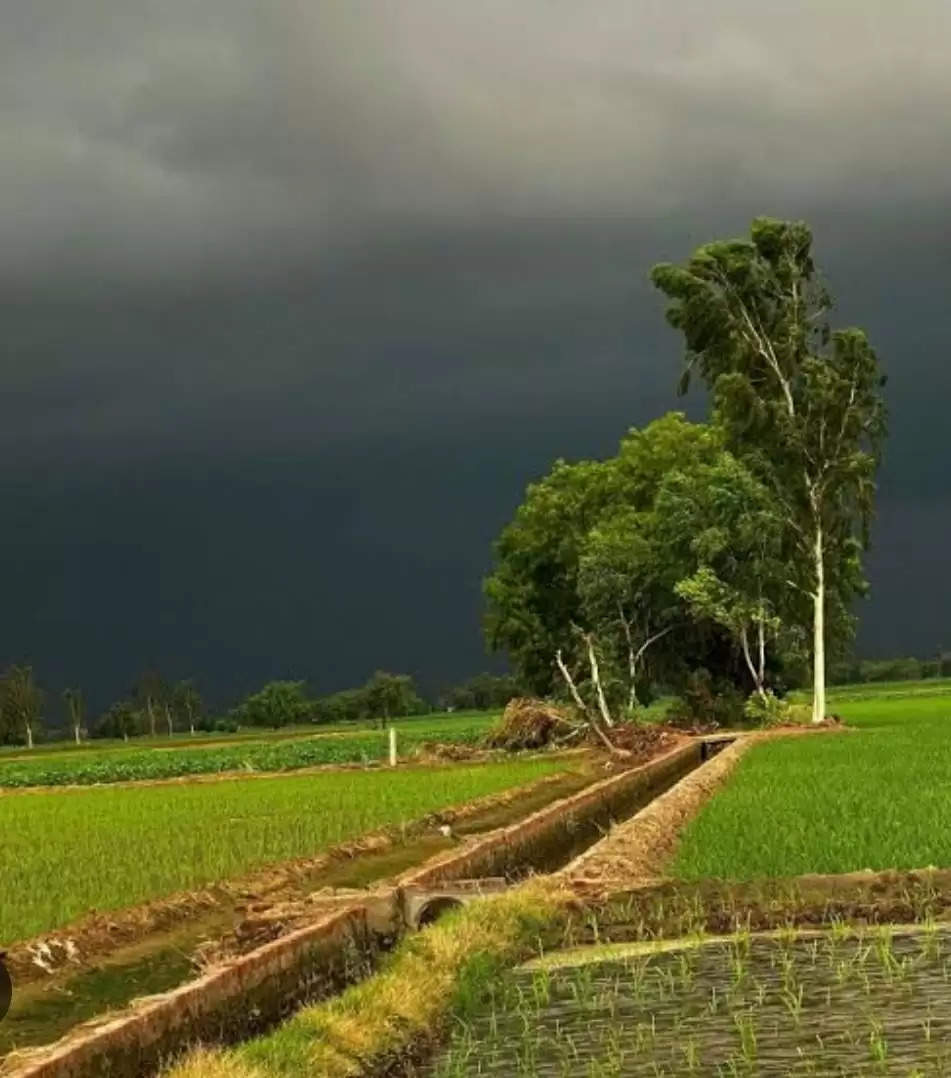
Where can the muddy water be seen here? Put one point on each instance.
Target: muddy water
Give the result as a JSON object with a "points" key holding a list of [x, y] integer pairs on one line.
{"points": [[385, 864], [822, 1004], [44, 1011]]}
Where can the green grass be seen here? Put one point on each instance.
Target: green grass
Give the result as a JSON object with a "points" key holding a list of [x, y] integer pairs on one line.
{"points": [[877, 798], [430, 977], [67, 852], [879, 689], [176, 758]]}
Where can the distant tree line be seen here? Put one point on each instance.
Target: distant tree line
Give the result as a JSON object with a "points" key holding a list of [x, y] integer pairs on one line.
{"points": [[853, 671], [156, 706]]}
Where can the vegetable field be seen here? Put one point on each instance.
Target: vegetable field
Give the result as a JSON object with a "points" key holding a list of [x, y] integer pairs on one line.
{"points": [[875, 798], [75, 850], [180, 758]]}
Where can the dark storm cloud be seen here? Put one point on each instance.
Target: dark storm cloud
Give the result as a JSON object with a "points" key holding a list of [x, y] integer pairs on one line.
{"points": [[385, 259]]}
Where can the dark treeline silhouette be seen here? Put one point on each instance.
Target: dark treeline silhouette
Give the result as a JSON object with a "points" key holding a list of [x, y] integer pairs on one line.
{"points": [[155, 706]]}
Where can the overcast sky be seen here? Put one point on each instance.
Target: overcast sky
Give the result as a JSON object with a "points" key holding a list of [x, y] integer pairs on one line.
{"points": [[297, 296]]}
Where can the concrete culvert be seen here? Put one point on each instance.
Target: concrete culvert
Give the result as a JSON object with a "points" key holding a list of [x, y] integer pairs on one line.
{"points": [[435, 908]]}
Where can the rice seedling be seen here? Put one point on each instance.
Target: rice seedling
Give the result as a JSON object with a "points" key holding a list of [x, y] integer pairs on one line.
{"points": [[798, 1018], [874, 798], [68, 852]]}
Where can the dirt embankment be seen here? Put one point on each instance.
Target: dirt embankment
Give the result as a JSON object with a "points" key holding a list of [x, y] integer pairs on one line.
{"points": [[638, 850]]}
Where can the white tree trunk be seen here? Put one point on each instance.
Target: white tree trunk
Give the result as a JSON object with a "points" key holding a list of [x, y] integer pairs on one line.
{"points": [[29, 736], [583, 709], [596, 679], [762, 650], [755, 674], [76, 732], [168, 720], [819, 633]]}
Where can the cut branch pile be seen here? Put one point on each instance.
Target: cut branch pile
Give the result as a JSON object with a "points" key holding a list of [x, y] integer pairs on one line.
{"points": [[527, 723]]}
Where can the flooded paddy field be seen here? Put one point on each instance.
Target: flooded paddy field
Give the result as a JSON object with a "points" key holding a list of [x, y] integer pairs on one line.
{"points": [[834, 1002]]}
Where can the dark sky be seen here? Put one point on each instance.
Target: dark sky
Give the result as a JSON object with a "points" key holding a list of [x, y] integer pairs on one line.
{"points": [[297, 296]]}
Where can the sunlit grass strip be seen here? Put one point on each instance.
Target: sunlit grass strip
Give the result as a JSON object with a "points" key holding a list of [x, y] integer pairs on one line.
{"points": [[441, 971], [72, 851], [178, 759], [876, 798]]}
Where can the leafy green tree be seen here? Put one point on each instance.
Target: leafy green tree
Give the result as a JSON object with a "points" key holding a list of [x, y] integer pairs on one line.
{"points": [[279, 703], [534, 604], [76, 709], [532, 594], [152, 696], [21, 701], [187, 704], [348, 705], [800, 404], [722, 522], [120, 720], [390, 696], [484, 692], [626, 582]]}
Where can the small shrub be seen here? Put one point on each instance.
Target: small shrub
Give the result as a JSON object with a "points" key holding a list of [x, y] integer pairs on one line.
{"points": [[766, 710], [773, 711], [704, 702]]}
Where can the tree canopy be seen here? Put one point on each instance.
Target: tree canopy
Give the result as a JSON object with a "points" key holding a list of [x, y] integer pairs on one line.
{"points": [[799, 403], [597, 581]]}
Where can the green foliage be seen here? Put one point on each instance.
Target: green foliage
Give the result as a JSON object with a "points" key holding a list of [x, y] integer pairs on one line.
{"points": [[389, 696], [120, 765], [769, 710], [105, 849], [187, 704], [532, 596], [706, 700], [584, 551], [120, 721], [279, 703], [76, 708], [348, 705], [484, 692], [723, 523], [799, 404], [21, 703], [877, 670]]}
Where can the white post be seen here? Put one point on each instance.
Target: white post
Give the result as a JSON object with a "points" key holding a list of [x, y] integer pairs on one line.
{"points": [[392, 746]]}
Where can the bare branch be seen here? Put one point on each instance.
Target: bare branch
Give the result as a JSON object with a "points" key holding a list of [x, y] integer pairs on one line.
{"points": [[570, 682], [596, 681]]}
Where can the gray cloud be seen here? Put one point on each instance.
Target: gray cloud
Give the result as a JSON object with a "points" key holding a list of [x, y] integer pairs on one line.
{"points": [[322, 234], [156, 131]]}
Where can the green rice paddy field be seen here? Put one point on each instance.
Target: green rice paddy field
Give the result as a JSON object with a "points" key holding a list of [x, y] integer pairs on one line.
{"points": [[876, 797], [70, 851]]}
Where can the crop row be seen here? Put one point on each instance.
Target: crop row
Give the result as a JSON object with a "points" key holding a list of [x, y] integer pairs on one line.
{"points": [[161, 763], [75, 850], [874, 797]]}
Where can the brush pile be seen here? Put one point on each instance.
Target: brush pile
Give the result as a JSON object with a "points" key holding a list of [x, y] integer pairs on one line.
{"points": [[527, 723]]}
